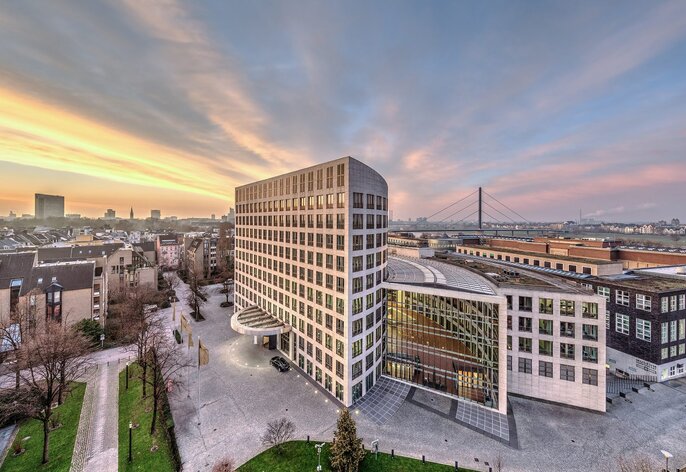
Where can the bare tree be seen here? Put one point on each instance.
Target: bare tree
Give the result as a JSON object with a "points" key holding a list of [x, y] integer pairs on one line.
{"points": [[277, 433], [52, 359], [13, 330], [636, 464], [141, 320], [164, 361], [225, 465], [172, 280], [196, 296]]}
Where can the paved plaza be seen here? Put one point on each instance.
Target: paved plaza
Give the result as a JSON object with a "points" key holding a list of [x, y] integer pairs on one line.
{"points": [[240, 392]]}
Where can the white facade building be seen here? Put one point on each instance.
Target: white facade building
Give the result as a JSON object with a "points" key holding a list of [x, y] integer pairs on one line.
{"points": [[311, 251]]}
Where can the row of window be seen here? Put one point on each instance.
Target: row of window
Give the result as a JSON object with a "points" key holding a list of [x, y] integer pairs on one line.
{"points": [[545, 369], [567, 329], [377, 202], [526, 260], [644, 302], [545, 306], [546, 348], [250, 239], [306, 181], [319, 220], [670, 331]]}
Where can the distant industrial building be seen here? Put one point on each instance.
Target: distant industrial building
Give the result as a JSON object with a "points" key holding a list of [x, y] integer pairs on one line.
{"points": [[49, 206]]}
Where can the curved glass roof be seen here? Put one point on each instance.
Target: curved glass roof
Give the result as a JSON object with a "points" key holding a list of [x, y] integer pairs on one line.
{"points": [[434, 273]]}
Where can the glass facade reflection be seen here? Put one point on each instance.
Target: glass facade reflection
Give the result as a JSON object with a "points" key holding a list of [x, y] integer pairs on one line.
{"points": [[443, 343]]}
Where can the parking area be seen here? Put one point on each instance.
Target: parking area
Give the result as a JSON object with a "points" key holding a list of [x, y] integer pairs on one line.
{"points": [[240, 392]]}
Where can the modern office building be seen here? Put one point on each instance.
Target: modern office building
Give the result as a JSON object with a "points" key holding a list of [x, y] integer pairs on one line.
{"points": [[310, 262], [155, 214], [49, 206], [446, 331]]}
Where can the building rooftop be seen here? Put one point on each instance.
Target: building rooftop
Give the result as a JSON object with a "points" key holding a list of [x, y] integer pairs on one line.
{"points": [[70, 275], [541, 255], [645, 280], [433, 273], [505, 274]]}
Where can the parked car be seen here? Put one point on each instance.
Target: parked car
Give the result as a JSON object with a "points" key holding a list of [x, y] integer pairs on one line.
{"points": [[280, 364]]}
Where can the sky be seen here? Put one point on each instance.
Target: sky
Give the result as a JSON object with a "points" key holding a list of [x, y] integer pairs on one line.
{"points": [[551, 107]]}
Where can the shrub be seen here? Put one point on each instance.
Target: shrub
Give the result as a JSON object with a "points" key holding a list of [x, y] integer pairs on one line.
{"points": [[91, 329], [278, 432]]}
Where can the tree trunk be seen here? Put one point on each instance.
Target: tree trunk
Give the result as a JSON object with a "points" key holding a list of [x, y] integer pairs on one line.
{"points": [[155, 396], [145, 373], [61, 387], [17, 378], [46, 439]]}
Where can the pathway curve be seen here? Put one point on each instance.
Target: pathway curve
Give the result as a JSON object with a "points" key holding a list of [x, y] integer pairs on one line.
{"points": [[96, 447]]}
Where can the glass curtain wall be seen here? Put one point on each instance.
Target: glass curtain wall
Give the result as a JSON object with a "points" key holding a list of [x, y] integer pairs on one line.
{"points": [[443, 343]]}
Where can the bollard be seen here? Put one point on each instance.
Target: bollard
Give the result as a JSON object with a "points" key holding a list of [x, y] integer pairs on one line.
{"points": [[392, 453], [423, 459], [457, 467], [308, 439]]}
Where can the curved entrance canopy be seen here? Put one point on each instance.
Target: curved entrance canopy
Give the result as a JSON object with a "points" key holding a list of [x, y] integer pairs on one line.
{"points": [[254, 321]]}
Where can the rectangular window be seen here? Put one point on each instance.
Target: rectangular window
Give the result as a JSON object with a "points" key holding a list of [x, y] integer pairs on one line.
{"points": [[524, 324], [524, 344], [509, 362], [643, 329], [567, 351], [682, 329], [590, 354], [525, 365], [567, 307], [642, 302], [525, 304], [673, 331], [622, 323], [604, 292], [567, 372], [545, 327], [682, 302], [589, 376], [545, 369], [665, 333], [566, 329], [545, 306], [664, 304], [590, 332], [665, 353], [545, 348], [589, 310], [622, 297]]}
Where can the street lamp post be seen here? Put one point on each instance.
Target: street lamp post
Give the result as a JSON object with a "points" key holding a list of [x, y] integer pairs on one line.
{"points": [[375, 446], [667, 457], [130, 436], [319, 456], [226, 287], [127, 375]]}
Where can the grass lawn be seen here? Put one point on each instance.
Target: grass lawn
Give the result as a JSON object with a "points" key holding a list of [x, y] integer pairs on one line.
{"points": [[133, 408], [299, 456], [62, 439]]}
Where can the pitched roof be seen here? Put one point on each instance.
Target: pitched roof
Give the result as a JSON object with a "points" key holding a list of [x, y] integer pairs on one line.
{"points": [[15, 265], [65, 253], [70, 275]]}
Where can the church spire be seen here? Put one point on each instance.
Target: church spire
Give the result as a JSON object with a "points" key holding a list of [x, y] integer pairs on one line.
{"points": [[131, 214]]}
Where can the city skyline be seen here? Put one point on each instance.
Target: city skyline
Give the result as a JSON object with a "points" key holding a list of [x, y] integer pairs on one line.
{"points": [[551, 107]]}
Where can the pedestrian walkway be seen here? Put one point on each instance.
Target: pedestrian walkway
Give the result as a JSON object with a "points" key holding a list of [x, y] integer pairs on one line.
{"points": [[97, 438]]}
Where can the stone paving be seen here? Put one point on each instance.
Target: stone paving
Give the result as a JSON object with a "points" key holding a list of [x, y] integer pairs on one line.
{"points": [[95, 449], [383, 400], [240, 393]]}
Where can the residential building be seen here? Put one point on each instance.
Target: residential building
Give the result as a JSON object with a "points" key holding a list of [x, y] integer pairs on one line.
{"points": [[61, 291], [311, 250], [49, 206], [155, 214], [169, 251]]}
